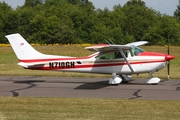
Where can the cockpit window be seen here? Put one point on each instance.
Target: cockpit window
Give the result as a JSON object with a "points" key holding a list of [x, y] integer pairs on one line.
{"points": [[136, 50]]}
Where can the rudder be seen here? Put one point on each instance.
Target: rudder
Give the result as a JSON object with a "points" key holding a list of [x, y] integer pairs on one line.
{"points": [[22, 48]]}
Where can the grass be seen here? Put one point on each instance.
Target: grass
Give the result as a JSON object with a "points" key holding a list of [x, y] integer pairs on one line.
{"points": [[89, 109], [29, 108]]}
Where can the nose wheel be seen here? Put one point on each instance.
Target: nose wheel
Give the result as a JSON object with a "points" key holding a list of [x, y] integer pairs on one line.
{"points": [[152, 80]]}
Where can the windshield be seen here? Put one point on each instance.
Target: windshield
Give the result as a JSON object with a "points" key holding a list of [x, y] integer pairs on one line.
{"points": [[136, 50]]}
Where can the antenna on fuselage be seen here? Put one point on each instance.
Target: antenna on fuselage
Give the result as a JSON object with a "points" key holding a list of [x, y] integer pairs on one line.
{"points": [[110, 42], [107, 41]]}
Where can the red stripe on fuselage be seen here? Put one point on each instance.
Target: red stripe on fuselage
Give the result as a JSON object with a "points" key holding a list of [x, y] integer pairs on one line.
{"points": [[84, 65], [96, 65]]}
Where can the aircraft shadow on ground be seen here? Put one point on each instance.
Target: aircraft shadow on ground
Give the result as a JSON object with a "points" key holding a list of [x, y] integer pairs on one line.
{"points": [[93, 85], [102, 84], [84, 85]]}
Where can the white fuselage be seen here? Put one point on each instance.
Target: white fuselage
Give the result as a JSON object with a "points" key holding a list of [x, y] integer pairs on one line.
{"points": [[140, 64]]}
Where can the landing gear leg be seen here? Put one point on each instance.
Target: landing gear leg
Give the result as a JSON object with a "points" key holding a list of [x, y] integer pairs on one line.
{"points": [[114, 80]]}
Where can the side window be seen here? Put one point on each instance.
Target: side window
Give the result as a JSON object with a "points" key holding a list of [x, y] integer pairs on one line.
{"points": [[103, 56], [132, 52], [117, 55]]}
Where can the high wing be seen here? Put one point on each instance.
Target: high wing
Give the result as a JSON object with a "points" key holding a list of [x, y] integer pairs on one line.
{"points": [[120, 48], [139, 43], [107, 47]]}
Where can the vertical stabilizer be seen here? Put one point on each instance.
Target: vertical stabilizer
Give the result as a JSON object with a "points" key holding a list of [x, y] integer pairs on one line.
{"points": [[22, 48]]}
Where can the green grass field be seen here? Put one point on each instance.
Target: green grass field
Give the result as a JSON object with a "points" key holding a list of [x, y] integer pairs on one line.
{"points": [[87, 109], [29, 108]]}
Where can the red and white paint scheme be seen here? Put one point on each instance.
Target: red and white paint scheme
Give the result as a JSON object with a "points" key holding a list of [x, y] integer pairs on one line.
{"points": [[120, 61]]}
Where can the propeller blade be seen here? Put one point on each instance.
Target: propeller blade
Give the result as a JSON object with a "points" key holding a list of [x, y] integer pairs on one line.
{"points": [[168, 65], [168, 69]]}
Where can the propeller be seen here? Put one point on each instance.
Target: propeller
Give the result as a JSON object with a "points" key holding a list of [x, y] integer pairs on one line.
{"points": [[168, 63], [168, 58]]}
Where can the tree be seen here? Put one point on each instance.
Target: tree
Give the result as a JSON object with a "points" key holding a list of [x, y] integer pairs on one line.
{"points": [[77, 2], [133, 3], [170, 29], [77, 21], [138, 19], [166, 28], [51, 24], [74, 2], [108, 26], [5, 13], [32, 3], [25, 14], [177, 12]]}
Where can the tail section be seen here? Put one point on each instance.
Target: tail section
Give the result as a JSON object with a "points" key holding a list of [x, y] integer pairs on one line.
{"points": [[22, 48], [25, 52], [27, 55]]}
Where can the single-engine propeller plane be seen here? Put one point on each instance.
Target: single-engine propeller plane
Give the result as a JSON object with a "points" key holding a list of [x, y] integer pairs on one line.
{"points": [[120, 61]]}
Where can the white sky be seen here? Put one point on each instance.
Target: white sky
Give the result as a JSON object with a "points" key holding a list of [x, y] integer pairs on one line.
{"points": [[164, 6]]}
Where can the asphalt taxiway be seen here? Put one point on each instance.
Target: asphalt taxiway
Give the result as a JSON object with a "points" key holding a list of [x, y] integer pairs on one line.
{"points": [[31, 86]]}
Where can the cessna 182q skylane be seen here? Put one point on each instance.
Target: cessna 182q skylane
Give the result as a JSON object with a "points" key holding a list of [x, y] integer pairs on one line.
{"points": [[119, 60]]}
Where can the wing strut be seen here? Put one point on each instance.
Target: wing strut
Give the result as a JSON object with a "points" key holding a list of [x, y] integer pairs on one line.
{"points": [[129, 65]]}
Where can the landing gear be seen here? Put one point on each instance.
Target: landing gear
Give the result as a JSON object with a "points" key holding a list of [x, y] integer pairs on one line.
{"points": [[152, 80], [126, 78], [114, 80]]}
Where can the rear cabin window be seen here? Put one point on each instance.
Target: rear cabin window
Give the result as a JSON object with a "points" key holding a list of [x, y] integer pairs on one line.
{"points": [[103, 56], [117, 55]]}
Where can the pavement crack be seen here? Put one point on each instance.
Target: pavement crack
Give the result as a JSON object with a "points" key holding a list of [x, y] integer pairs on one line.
{"points": [[136, 94], [15, 92]]}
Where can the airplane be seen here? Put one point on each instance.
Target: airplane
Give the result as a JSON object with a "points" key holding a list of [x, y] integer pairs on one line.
{"points": [[121, 61]]}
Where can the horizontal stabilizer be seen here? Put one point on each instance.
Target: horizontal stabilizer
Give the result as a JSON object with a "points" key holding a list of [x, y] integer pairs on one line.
{"points": [[28, 65]]}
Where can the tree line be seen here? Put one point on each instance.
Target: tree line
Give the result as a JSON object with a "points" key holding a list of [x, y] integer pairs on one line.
{"points": [[77, 21]]}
